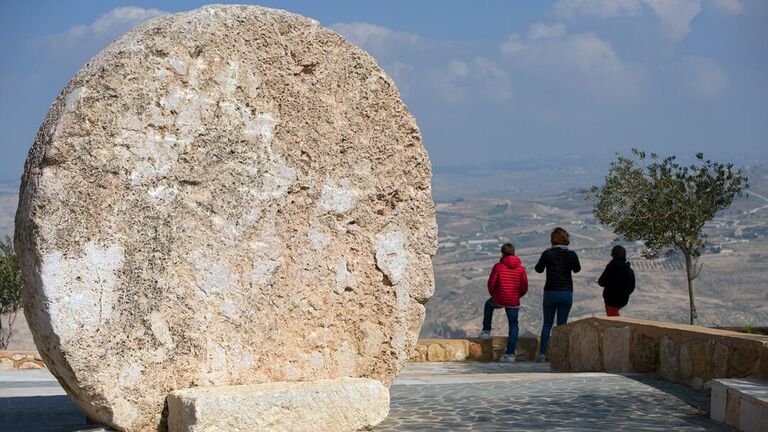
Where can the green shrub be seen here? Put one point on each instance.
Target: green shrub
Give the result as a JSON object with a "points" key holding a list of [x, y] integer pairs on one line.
{"points": [[10, 290]]}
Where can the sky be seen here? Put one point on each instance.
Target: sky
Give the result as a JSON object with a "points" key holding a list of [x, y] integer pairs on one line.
{"points": [[487, 81]]}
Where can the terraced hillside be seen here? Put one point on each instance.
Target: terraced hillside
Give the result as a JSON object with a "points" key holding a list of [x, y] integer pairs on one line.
{"points": [[731, 290], [521, 204]]}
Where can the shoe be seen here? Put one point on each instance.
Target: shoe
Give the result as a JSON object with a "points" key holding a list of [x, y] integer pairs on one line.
{"points": [[541, 358], [485, 335], [507, 358]]}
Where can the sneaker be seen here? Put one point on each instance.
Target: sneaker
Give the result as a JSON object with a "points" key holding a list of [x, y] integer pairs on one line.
{"points": [[541, 358], [485, 335], [507, 358]]}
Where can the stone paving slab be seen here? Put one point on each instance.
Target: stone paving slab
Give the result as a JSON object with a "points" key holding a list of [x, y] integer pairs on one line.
{"points": [[462, 396], [524, 396]]}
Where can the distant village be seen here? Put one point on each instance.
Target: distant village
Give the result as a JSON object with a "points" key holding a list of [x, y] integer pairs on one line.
{"points": [[474, 230]]}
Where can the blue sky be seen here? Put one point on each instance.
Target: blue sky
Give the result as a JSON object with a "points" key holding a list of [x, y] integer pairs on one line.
{"points": [[487, 81]]}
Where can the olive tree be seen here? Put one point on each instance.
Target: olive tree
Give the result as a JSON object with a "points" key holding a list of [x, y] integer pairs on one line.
{"points": [[10, 290], [665, 204]]}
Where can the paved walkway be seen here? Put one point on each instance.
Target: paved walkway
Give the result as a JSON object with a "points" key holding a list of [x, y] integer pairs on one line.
{"points": [[526, 396], [446, 397]]}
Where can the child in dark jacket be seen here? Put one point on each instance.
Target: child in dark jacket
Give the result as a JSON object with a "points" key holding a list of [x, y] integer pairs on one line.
{"points": [[618, 281], [507, 283]]}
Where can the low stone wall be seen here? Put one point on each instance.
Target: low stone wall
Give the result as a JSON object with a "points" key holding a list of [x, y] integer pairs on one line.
{"points": [[438, 350], [20, 360], [687, 354], [427, 350]]}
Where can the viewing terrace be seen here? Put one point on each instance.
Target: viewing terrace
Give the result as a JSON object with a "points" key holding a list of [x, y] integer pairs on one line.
{"points": [[605, 373]]}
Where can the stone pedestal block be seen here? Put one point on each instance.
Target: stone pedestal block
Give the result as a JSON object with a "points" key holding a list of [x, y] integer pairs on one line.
{"points": [[344, 404]]}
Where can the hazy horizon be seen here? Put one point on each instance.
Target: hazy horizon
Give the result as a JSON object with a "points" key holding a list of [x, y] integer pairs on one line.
{"points": [[487, 82]]}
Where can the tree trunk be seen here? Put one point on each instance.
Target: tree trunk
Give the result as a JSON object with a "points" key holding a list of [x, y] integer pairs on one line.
{"points": [[7, 333], [690, 276], [3, 345]]}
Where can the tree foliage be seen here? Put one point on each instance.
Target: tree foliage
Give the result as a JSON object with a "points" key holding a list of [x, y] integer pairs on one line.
{"points": [[10, 290], [665, 204]]}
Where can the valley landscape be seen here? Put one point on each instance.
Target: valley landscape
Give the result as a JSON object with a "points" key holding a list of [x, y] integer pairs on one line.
{"points": [[524, 202], [481, 207]]}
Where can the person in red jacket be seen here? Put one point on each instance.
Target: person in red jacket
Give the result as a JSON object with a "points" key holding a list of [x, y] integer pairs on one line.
{"points": [[506, 285]]}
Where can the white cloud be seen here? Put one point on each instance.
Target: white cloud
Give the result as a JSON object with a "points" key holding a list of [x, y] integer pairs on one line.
{"points": [[675, 15], [447, 84], [105, 28], [580, 61], [496, 82], [374, 37], [457, 69], [393, 50], [459, 80], [543, 31], [401, 73], [437, 69], [597, 8], [702, 77], [730, 6]]}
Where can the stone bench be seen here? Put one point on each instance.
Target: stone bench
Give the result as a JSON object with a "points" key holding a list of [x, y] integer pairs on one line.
{"points": [[741, 403]]}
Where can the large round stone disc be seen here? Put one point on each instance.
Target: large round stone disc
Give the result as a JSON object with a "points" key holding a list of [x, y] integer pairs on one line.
{"points": [[227, 196]]}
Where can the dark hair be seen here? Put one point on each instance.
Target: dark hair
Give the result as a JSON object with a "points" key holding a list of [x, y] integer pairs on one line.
{"points": [[619, 252], [507, 249], [559, 237]]}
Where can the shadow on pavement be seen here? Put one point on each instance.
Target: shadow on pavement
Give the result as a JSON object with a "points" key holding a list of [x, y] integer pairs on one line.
{"points": [[696, 399], [41, 414]]}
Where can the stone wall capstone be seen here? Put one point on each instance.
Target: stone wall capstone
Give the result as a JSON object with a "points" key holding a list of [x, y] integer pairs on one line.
{"points": [[232, 195]]}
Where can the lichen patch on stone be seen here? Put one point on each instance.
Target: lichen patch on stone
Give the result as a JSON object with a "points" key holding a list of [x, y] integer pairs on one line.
{"points": [[338, 197], [81, 290], [391, 256], [212, 274]]}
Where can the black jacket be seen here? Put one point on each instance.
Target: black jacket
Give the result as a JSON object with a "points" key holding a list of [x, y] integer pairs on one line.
{"points": [[618, 281], [559, 262]]}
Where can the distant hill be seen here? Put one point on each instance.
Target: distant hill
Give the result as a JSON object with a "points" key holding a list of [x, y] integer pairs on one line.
{"points": [[732, 289], [9, 197], [480, 207]]}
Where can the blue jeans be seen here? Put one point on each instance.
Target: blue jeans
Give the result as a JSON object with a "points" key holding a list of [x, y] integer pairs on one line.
{"points": [[555, 302], [512, 314]]}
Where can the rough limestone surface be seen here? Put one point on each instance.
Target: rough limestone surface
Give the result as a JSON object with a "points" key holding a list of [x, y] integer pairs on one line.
{"points": [[233, 195], [343, 404]]}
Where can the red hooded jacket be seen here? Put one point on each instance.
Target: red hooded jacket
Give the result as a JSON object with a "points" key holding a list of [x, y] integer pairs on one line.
{"points": [[508, 281]]}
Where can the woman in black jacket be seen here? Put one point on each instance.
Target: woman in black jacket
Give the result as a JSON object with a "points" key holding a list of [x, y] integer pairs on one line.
{"points": [[618, 281], [559, 262]]}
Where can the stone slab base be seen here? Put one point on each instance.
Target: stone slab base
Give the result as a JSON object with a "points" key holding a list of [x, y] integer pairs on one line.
{"points": [[343, 404], [741, 403]]}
